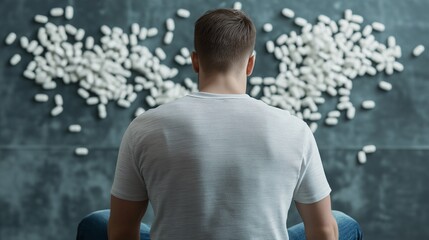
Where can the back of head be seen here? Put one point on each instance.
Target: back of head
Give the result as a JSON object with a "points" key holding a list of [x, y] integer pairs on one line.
{"points": [[223, 38]]}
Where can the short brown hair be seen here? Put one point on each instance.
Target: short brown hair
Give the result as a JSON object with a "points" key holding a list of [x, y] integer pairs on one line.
{"points": [[222, 37]]}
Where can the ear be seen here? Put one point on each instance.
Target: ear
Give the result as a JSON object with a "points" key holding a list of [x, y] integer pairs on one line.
{"points": [[250, 64], [195, 64]]}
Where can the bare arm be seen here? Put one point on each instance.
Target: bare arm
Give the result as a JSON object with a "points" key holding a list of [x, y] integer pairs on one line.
{"points": [[318, 220], [125, 218]]}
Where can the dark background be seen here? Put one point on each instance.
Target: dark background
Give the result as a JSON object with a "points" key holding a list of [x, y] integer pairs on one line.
{"points": [[45, 189]]}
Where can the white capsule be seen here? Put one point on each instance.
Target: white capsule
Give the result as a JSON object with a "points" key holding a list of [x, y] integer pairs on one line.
{"points": [[41, 97], [81, 151], [361, 157], [357, 18], [315, 116], [40, 19], [152, 32], [286, 12], [69, 12], [183, 13], [348, 14], [169, 24], [15, 59], [160, 53], [102, 113], [80, 34], [139, 111], [150, 101], [369, 148], [386, 86], [255, 90], [270, 46], [23, 41], [368, 104], [268, 27], [331, 121], [29, 74], [300, 21], [168, 38], [237, 6], [92, 101], [123, 103], [180, 60], [83, 93], [351, 112], [75, 128], [185, 52], [377, 26], [367, 30], [89, 42], [57, 110], [57, 12], [418, 50], [11, 37], [106, 30], [135, 28], [313, 127], [58, 100], [334, 114]]}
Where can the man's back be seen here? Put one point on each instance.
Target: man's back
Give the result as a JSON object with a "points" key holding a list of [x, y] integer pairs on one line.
{"points": [[220, 166]]}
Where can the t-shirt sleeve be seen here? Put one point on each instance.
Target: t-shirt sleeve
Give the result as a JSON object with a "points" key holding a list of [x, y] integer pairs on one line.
{"points": [[128, 183], [312, 184]]}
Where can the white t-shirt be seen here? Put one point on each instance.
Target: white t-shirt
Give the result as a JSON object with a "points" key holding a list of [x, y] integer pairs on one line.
{"points": [[219, 166]]}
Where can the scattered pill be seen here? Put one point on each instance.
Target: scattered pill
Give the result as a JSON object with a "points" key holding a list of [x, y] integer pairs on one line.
{"points": [[57, 110], [40, 19], [169, 24], [386, 86], [69, 12], [368, 104], [361, 157], [377, 26], [330, 121], [237, 6], [268, 27], [369, 148], [418, 50], [183, 13], [286, 12], [81, 151], [75, 128], [41, 97], [56, 12], [15, 59], [10, 38], [58, 100]]}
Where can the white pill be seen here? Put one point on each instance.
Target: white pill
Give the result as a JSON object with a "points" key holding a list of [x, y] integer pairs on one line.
{"points": [[123, 103], [180, 60], [268, 27], [57, 12], [169, 24], [69, 12], [418, 50], [270, 46], [330, 121], [102, 113], [40, 19], [106, 30], [369, 148], [397, 66], [92, 101], [58, 100], [168, 38], [334, 114], [386, 86], [361, 157], [160, 53], [29, 74], [57, 110], [83, 93], [377, 26], [185, 52], [80, 34], [81, 151], [237, 6], [289, 13], [139, 111], [348, 14], [150, 101], [135, 28], [357, 19], [183, 13], [315, 116], [75, 128], [367, 30], [15, 59], [300, 21], [255, 90], [368, 104], [11, 37], [41, 97], [256, 80], [23, 41], [89, 42], [152, 32]]}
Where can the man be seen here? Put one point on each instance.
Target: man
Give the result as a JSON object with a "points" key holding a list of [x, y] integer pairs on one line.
{"points": [[218, 164]]}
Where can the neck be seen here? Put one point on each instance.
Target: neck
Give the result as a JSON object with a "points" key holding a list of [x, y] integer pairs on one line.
{"points": [[222, 83]]}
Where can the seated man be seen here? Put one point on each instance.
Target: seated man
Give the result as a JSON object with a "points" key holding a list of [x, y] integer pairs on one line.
{"points": [[219, 164]]}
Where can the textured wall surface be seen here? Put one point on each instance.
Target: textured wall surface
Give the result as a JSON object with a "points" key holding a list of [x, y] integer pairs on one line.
{"points": [[45, 189]]}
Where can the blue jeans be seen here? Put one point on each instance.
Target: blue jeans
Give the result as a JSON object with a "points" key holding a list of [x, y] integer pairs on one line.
{"points": [[94, 227]]}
